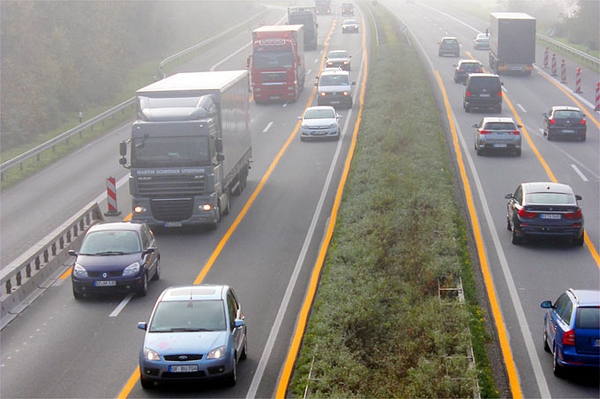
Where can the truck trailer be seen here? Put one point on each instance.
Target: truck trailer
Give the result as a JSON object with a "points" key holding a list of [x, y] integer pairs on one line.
{"points": [[190, 148], [277, 66], [512, 42], [306, 16]]}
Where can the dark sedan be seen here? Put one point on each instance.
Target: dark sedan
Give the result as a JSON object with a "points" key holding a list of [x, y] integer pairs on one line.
{"points": [[544, 210], [115, 257], [464, 68], [565, 121]]}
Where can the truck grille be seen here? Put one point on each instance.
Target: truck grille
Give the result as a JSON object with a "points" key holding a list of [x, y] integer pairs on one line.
{"points": [[172, 209], [171, 186], [273, 77]]}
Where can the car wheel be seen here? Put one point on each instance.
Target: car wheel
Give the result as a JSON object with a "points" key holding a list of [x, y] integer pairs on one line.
{"points": [[545, 336], [480, 151], [515, 239], [144, 288], [499, 109], [549, 136], [244, 353], [582, 138], [231, 379], [579, 241], [558, 370], [518, 152], [467, 108], [146, 384], [508, 224], [156, 276]]}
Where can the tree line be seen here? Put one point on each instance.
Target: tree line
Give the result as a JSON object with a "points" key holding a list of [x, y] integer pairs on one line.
{"points": [[63, 57]]}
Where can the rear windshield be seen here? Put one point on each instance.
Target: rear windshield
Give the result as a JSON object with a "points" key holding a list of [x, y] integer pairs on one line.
{"points": [[567, 114], [450, 41], [470, 66], [588, 318], [500, 126], [481, 82], [334, 80], [550, 198]]}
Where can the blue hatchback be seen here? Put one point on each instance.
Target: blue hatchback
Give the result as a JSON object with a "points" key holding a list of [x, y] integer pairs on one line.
{"points": [[572, 330]]}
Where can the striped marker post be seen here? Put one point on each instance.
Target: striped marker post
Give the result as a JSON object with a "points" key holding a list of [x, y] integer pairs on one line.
{"points": [[546, 55], [598, 96], [578, 80], [553, 64], [563, 71], [111, 195]]}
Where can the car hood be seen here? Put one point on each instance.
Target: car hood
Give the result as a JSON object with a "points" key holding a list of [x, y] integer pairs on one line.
{"points": [[318, 122], [108, 262], [202, 342]]}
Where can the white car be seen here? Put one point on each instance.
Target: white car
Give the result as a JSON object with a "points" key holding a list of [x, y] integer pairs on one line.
{"points": [[320, 122], [350, 25]]}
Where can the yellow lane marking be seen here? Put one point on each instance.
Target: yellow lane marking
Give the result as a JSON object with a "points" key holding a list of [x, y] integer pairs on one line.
{"points": [[302, 320], [511, 368], [135, 376]]}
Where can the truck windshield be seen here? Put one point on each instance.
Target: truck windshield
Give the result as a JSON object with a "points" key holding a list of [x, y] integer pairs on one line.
{"points": [[272, 59], [170, 151]]}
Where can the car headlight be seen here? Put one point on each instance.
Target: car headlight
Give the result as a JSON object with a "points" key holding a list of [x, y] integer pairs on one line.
{"points": [[79, 271], [216, 353], [132, 269], [151, 355]]}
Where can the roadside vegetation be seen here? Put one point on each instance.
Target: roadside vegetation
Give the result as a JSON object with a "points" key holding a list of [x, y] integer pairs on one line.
{"points": [[386, 320]]}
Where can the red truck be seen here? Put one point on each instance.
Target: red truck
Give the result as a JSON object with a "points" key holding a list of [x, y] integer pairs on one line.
{"points": [[277, 67]]}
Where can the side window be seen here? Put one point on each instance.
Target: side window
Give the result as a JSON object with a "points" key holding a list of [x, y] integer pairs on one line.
{"points": [[231, 307], [564, 308], [519, 195]]}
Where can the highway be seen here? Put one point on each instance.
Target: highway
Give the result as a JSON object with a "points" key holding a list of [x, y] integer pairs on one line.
{"points": [[267, 246]]}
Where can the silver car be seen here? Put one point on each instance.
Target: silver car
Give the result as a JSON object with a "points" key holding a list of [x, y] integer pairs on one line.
{"points": [[497, 134], [320, 122]]}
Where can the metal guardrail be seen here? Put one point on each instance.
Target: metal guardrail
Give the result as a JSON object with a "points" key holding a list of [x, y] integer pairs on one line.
{"points": [[570, 50], [35, 152], [22, 281]]}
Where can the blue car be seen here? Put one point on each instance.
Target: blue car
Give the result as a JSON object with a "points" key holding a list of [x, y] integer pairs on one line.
{"points": [[195, 333], [572, 330]]}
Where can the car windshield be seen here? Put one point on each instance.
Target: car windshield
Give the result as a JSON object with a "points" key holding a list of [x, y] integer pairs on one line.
{"points": [[188, 315], [337, 54], [319, 114], [450, 41], [550, 198], [588, 318], [487, 82], [499, 126], [349, 22], [333, 80], [117, 242]]}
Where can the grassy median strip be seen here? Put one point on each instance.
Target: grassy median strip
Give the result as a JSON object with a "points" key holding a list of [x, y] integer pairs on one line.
{"points": [[386, 321]]}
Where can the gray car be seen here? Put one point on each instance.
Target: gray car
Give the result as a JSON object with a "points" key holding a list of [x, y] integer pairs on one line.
{"points": [[497, 134]]}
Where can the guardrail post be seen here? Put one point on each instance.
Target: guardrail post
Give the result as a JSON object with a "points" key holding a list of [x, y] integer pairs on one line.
{"points": [[563, 71], [546, 54], [598, 96], [578, 80], [553, 64]]}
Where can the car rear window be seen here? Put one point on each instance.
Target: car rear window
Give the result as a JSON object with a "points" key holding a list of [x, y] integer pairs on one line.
{"points": [[588, 318], [450, 41], [499, 126], [567, 114], [470, 66], [334, 80], [484, 81], [550, 198]]}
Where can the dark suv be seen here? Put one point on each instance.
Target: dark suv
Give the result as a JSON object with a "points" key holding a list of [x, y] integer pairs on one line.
{"points": [[347, 9], [449, 45], [483, 90], [565, 121]]}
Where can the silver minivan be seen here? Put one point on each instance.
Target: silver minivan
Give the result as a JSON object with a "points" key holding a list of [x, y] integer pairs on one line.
{"points": [[334, 88]]}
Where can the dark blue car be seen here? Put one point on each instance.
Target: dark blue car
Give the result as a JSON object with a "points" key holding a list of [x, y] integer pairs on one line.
{"points": [[572, 330]]}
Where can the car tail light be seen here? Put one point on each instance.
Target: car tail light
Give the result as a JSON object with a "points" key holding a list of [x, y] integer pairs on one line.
{"points": [[468, 94], [582, 122], [576, 214], [500, 93], [552, 121], [345, 94], [568, 338], [515, 133], [525, 214], [483, 131], [323, 94], [460, 70]]}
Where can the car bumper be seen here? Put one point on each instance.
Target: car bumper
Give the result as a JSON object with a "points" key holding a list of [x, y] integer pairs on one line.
{"points": [[335, 100], [346, 30], [567, 132], [475, 102], [107, 286], [549, 231], [319, 133], [163, 370], [568, 357]]}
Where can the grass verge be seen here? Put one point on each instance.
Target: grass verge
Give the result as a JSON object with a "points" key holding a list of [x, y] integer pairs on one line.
{"points": [[380, 326]]}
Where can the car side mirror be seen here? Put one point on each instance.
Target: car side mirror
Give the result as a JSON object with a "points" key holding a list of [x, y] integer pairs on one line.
{"points": [[238, 323], [299, 118], [72, 252], [475, 125], [353, 84], [578, 197], [338, 116], [508, 196], [546, 305], [519, 126], [149, 250], [142, 325], [545, 115]]}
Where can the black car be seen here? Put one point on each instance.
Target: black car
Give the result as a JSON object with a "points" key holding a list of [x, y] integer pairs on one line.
{"points": [[482, 91], [449, 46], [347, 9], [464, 68], [115, 257], [544, 210], [565, 121]]}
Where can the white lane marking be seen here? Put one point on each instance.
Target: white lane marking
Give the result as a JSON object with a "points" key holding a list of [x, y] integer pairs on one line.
{"points": [[266, 129], [121, 306], [521, 107], [264, 358], [579, 172]]}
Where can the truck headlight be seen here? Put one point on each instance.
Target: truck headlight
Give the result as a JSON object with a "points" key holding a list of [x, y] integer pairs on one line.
{"points": [[139, 209]]}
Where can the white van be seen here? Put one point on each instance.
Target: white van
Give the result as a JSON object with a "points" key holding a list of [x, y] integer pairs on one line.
{"points": [[334, 88]]}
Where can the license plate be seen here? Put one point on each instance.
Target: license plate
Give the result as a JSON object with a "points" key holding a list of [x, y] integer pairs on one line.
{"points": [[597, 342], [568, 131], [334, 102], [105, 283], [484, 95], [173, 224], [550, 216], [499, 145], [192, 368]]}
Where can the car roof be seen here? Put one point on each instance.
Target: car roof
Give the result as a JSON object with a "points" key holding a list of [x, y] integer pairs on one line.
{"points": [[586, 297], [336, 51], [483, 75], [469, 62], [500, 119], [482, 34], [352, 20], [565, 108], [546, 186], [317, 107], [201, 292], [449, 38], [112, 226], [334, 72]]}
